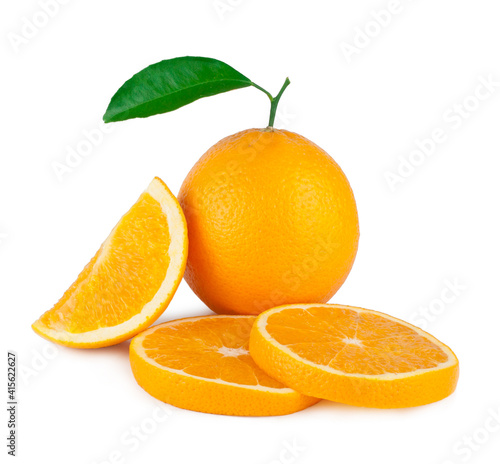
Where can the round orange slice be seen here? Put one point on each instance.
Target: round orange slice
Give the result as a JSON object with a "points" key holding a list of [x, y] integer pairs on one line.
{"points": [[353, 356], [203, 364], [129, 282]]}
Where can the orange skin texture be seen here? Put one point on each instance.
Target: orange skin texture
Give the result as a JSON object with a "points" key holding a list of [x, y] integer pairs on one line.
{"points": [[271, 220]]}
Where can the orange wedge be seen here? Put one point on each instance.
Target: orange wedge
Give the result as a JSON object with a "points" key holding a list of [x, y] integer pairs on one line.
{"points": [[203, 364], [129, 282], [353, 356]]}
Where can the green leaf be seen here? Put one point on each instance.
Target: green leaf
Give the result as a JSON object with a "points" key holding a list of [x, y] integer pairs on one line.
{"points": [[170, 84]]}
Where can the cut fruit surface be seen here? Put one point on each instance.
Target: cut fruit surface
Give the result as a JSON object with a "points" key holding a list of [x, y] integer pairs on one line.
{"points": [[129, 282], [203, 364], [353, 355]]}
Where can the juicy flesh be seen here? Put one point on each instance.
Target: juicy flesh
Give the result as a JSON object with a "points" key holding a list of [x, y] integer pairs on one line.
{"points": [[353, 342], [123, 276], [212, 348]]}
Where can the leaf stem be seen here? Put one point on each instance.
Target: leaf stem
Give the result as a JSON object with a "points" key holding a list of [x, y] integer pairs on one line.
{"points": [[274, 100], [263, 90]]}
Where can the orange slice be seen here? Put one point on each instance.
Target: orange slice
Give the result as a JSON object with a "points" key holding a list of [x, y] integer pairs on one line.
{"points": [[129, 282], [203, 364], [353, 356]]}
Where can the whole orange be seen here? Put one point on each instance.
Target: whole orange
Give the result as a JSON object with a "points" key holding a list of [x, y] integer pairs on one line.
{"points": [[271, 220]]}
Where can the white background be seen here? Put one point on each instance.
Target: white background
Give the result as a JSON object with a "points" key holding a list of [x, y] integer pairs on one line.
{"points": [[437, 228]]}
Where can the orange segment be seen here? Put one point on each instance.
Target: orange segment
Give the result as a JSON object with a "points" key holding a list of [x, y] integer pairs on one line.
{"points": [[130, 280], [353, 355], [203, 364]]}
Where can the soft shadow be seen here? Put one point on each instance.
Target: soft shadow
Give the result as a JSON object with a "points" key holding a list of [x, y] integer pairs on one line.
{"points": [[333, 407], [116, 351], [181, 313]]}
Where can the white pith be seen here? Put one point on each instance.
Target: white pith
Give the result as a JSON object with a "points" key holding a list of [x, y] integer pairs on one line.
{"points": [[352, 341], [175, 221], [262, 324], [137, 346], [232, 352]]}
